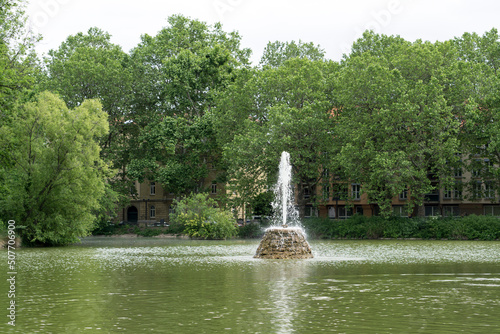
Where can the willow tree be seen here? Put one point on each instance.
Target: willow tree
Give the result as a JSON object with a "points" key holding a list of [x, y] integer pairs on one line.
{"points": [[54, 175]]}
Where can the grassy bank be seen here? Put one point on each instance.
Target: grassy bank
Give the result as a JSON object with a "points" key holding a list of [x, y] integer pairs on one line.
{"points": [[359, 227]]}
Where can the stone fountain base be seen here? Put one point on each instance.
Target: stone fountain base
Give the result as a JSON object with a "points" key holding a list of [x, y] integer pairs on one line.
{"points": [[283, 243]]}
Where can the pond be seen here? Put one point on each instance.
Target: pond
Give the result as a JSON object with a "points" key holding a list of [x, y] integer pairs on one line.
{"points": [[141, 285]]}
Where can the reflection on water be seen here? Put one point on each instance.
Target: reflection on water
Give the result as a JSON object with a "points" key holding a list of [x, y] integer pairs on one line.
{"points": [[182, 286]]}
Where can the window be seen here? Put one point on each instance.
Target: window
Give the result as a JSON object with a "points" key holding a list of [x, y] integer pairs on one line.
{"points": [[492, 210], [448, 193], [432, 211], [476, 171], [171, 209], [331, 212], [310, 212], [433, 196], [340, 191], [152, 211], [326, 173], [399, 211], [214, 188], [404, 195], [152, 188], [489, 191], [326, 192], [451, 211], [477, 189], [356, 191], [457, 190], [307, 193], [344, 212]]}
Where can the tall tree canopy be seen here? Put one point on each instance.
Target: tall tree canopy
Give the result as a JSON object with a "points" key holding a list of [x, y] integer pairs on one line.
{"points": [[177, 74], [18, 63], [480, 134], [90, 66], [288, 108], [397, 122]]}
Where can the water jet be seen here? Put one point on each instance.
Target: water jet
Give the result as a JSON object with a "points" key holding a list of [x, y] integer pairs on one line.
{"points": [[286, 238]]}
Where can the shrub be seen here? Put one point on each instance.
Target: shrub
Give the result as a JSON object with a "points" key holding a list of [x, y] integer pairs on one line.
{"points": [[250, 231], [360, 227], [200, 218], [149, 232]]}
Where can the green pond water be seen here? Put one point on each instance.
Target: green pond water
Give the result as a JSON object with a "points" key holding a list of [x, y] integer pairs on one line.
{"points": [[147, 285]]}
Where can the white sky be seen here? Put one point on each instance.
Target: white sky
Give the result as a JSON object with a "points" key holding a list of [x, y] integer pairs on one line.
{"points": [[333, 24]]}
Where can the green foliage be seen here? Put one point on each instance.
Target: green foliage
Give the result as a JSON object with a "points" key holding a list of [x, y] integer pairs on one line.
{"points": [[288, 109], [54, 177], [276, 53], [249, 231], [177, 76], [261, 204], [175, 151], [360, 227], [150, 232], [89, 66], [200, 217], [395, 94], [19, 66]]}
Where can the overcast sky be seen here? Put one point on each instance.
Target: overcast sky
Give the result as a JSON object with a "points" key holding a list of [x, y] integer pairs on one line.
{"points": [[332, 24]]}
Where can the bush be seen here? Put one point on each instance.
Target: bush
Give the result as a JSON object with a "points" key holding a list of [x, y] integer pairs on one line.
{"points": [[360, 227], [150, 232], [200, 218], [251, 230]]}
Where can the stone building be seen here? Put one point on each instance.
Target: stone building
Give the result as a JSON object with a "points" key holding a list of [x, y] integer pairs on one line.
{"points": [[152, 204]]}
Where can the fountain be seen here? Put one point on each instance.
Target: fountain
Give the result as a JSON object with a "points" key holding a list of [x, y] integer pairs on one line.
{"points": [[285, 239]]}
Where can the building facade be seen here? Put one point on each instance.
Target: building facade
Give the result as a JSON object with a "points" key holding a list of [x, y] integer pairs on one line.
{"points": [[470, 194], [151, 204]]}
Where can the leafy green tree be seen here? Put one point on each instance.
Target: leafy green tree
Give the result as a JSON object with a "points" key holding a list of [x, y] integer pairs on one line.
{"points": [[480, 131], [289, 109], [177, 75], [399, 130], [54, 176], [177, 152], [19, 66], [276, 53], [89, 66]]}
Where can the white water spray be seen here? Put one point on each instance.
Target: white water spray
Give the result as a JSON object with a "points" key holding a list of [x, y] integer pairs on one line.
{"points": [[281, 241], [285, 213]]}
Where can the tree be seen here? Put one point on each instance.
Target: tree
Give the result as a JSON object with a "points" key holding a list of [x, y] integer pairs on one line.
{"points": [[398, 129], [276, 53], [289, 109], [54, 175], [177, 75], [177, 152], [89, 66], [18, 63], [480, 56]]}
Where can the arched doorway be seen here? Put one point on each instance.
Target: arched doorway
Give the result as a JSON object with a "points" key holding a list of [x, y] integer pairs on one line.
{"points": [[132, 214]]}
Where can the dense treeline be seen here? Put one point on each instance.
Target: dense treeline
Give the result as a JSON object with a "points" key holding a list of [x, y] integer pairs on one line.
{"points": [[187, 101]]}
